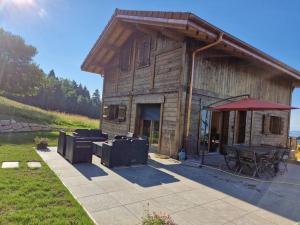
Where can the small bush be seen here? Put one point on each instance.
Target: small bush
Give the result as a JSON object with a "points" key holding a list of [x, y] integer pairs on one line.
{"points": [[41, 143], [157, 219]]}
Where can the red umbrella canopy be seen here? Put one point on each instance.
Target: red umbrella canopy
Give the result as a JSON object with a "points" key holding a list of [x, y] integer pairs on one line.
{"points": [[251, 104]]}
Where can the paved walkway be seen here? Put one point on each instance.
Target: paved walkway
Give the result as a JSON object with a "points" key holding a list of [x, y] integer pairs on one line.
{"points": [[191, 196]]}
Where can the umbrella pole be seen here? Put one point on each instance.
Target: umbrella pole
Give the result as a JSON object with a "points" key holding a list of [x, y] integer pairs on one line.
{"points": [[233, 132], [251, 123]]}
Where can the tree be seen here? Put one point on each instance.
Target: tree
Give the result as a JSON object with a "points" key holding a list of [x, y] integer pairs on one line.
{"points": [[51, 74], [96, 97], [18, 74], [21, 79]]}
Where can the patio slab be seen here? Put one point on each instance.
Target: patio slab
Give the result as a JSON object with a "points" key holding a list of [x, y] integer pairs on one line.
{"points": [[10, 165], [34, 165], [191, 196]]}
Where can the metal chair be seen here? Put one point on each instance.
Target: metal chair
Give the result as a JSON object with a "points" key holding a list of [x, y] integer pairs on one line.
{"points": [[247, 159], [282, 158], [268, 164], [231, 158]]}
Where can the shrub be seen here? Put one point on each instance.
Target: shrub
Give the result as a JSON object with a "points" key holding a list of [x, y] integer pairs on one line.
{"points": [[157, 219], [41, 143]]}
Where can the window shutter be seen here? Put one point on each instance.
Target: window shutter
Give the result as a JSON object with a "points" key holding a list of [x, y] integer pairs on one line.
{"points": [[105, 112], [125, 57], [276, 125], [143, 53], [122, 113], [266, 124], [281, 125]]}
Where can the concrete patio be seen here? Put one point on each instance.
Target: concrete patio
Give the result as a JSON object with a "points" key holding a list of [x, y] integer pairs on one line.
{"points": [[191, 196]]}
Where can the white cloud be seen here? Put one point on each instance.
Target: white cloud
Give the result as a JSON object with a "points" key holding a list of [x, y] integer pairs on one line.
{"points": [[17, 9], [42, 13]]}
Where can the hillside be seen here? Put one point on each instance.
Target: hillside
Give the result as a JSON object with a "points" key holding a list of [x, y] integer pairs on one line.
{"points": [[10, 109]]}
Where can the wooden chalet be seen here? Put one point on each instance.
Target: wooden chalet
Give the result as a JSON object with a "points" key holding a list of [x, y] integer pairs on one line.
{"points": [[163, 69]]}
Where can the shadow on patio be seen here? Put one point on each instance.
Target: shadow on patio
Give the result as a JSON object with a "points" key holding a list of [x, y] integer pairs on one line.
{"points": [[90, 170], [145, 175], [281, 199]]}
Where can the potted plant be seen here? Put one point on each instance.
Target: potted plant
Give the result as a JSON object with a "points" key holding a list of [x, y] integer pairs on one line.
{"points": [[41, 143]]}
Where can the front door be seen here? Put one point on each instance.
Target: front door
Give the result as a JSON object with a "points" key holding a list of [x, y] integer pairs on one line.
{"points": [[149, 123]]}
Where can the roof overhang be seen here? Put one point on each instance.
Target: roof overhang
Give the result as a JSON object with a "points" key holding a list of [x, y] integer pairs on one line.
{"points": [[125, 22]]}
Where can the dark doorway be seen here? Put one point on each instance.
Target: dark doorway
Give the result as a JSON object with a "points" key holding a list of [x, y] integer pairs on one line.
{"points": [[149, 123], [225, 128], [242, 117], [214, 143]]}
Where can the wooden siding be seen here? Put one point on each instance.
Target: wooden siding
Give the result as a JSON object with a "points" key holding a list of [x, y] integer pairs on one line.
{"points": [[222, 78], [157, 83], [232, 78]]}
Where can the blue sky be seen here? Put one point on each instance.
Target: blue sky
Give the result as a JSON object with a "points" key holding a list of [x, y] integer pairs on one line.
{"points": [[65, 30]]}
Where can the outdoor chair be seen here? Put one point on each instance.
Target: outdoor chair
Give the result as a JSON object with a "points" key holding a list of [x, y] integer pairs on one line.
{"points": [[79, 146], [116, 153], [78, 151], [247, 160], [129, 135], [268, 164], [61, 145], [282, 157], [231, 158], [139, 151], [90, 134]]}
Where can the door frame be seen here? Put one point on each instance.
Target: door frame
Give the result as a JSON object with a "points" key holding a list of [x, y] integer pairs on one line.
{"points": [[138, 120], [237, 132]]}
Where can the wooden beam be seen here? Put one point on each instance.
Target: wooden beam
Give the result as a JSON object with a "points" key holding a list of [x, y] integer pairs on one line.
{"points": [[172, 34], [112, 47]]}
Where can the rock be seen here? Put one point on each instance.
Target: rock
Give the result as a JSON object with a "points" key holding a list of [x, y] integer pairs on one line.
{"points": [[5, 122], [6, 127], [24, 124], [16, 126], [35, 128], [24, 129], [7, 131]]}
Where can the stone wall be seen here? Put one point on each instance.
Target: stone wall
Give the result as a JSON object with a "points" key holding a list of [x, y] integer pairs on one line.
{"points": [[7, 126]]}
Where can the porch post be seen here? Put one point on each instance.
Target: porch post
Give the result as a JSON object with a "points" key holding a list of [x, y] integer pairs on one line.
{"points": [[251, 122]]}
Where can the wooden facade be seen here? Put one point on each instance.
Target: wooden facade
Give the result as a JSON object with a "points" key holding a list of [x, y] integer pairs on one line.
{"points": [[149, 65], [157, 82]]}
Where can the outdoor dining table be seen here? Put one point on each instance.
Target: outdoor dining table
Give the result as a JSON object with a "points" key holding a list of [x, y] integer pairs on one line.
{"points": [[263, 157], [259, 149]]}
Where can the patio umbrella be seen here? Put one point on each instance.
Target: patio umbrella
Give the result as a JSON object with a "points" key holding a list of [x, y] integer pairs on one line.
{"points": [[251, 104]]}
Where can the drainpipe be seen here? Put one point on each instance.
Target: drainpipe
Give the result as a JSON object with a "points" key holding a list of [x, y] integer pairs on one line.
{"points": [[192, 78]]}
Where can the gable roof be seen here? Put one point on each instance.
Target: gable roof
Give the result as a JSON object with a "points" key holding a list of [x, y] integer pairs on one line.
{"points": [[123, 23]]}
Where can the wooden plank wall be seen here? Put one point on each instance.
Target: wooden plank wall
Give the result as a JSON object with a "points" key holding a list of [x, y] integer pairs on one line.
{"points": [[157, 83], [221, 78]]}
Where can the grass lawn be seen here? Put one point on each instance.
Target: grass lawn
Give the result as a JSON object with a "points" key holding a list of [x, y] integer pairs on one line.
{"points": [[20, 112], [33, 196]]}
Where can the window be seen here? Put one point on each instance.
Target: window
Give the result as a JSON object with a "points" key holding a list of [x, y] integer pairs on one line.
{"points": [[125, 57], [143, 52], [276, 125], [114, 112]]}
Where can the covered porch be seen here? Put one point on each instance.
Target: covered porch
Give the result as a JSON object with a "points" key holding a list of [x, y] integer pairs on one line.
{"points": [[246, 128]]}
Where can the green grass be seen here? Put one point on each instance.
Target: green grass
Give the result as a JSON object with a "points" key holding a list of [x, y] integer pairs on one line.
{"points": [[10, 109], [34, 196]]}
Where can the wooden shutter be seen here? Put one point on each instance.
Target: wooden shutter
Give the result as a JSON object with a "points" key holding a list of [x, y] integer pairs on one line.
{"points": [[276, 125], [143, 52], [122, 113], [105, 112], [125, 57]]}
